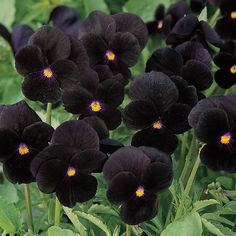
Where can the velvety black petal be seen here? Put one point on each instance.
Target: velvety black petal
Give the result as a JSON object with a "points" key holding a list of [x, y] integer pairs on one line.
{"points": [[5, 34], [9, 142], [111, 92], [212, 124], [128, 159], [65, 72], [176, 118], [112, 117], [37, 135], [227, 6], [95, 47], [136, 211], [79, 55], [158, 176], [98, 125], [66, 19], [225, 79], [140, 114], [36, 87], [55, 153], [29, 59], [98, 23], [183, 29], [224, 60], [77, 99], [17, 168], [126, 47], [88, 161], [136, 26], [152, 28], [110, 146], [197, 74], [103, 72], [50, 174], [162, 139], [224, 28], [155, 87], [122, 187], [194, 50], [166, 60], [77, 134], [17, 116], [198, 5], [159, 12], [218, 159], [20, 36], [54, 44], [79, 188], [210, 34]]}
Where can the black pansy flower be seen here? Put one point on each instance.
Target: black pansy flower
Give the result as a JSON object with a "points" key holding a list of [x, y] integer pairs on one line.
{"points": [[111, 41], [189, 60], [89, 98], [22, 136], [135, 176], [18, 38], [45, 66], [73, 155], [164, 20], [107, 145], [225, 77], [226, 25], [198, 5], [159, 109], [67, 19], [189, 28], [214, 121]]}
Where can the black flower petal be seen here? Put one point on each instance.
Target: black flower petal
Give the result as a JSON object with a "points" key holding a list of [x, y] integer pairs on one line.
{"points": [[224, 28], [224, 78], [198, 5], [110, 146]]}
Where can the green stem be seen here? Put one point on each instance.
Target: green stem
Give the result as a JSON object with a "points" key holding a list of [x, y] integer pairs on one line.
{"points": [[226, 92], [28, 207], [49, 113], [58, 208], [128, 230], [214, 18]]}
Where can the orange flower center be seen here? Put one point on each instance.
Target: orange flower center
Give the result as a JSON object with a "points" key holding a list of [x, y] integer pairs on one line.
{"points": [[140, 192], [95, 106], [233, 69], [110, 56], [157, 125], [233, 15], [71, 171], [225, 139], [47, 73], [23, 149]]}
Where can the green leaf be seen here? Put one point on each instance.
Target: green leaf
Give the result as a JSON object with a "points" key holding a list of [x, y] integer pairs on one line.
{"points": [[10, 218], [200, 205], [7, 12], [96, 221], [57, 231], [203, 15], [226, 182], [75, 221], [116, 231], [144, 9], [91, 5], [51, 211], [101, 209], [188, 225], [9, 193], [212, 228], [217, 218]]}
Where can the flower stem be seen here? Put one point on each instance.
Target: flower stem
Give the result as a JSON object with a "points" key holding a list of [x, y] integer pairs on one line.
{"points": [[214, 18], [49, 113], [128, 230], [58, 208], [28, 207]]}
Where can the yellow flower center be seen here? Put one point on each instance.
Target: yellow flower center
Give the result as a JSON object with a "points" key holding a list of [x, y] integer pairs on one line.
{"points": [[95, 106], [233, 69], [47, 73], [110, 56], [71, 171], [225, 139], [233, 15], [157, 125], [159, 24], [139, 192], [23, 149]]}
